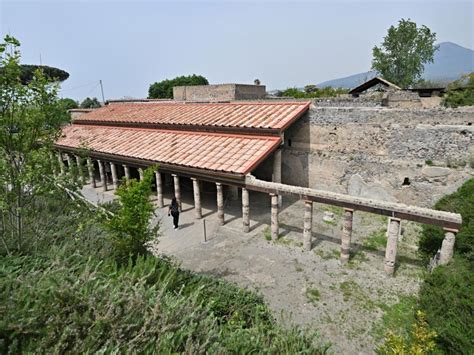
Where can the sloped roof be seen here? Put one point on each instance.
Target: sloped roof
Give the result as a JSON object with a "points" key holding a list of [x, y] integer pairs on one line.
{"points": [[372, 82], [269, 116], [217, 152]]}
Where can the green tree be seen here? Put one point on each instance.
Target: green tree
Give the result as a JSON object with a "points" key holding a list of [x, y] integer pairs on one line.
{"points": [[68, 103], [90, 103], [30, 119], [130, 226], [51, 73], [460, 92], [403, 53], [164, 88]]}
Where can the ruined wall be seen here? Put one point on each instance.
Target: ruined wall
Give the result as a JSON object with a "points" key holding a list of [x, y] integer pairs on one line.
{"points": [[221, 92], [412, 156]]}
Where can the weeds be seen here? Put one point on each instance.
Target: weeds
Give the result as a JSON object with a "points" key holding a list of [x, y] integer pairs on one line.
{"points": [[375, 241], [313, 295]]}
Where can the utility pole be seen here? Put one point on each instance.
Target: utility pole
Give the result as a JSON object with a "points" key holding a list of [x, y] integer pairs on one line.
{"points": [[102, 90]]}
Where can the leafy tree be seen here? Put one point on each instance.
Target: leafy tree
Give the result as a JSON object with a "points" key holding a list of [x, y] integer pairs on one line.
{"points": [[30, 119], [164, 89], [68, 103], [311, 92], [51, 73], [90, 103], [130, 225], [403, 53], [460, 92]]}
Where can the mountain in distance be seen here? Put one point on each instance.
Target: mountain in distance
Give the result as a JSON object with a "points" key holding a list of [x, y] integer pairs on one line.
{"points": [[451, 61]]}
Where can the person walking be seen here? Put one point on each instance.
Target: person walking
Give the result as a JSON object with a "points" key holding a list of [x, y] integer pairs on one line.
{"points": [[174, 211]]}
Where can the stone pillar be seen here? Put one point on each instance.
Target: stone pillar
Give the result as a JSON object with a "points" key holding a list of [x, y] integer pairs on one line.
{"points": [[245, 210], [308, 225], [103, 177], [276, 177], [274, 216], [220, 204], [197, 198], [447, 247], [79, 169], [159, 189], [61, 163], [113, 169], [53, 165], [346, 235], [140, 173], [126, 168], [233, 193], [90, 168], [69, 163], [391, 250], [177, 190]]}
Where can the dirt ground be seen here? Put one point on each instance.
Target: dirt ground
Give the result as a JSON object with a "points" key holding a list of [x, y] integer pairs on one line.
{"points": [[344, 303]]}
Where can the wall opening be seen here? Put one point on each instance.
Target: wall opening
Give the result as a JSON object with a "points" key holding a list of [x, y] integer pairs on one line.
{"points": [[289, 142], [406, 182]]}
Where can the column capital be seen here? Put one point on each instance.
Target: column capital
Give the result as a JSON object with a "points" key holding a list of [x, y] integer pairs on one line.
{"points": [[395, 219], [348, 209], [452, 230], [194, 179]]}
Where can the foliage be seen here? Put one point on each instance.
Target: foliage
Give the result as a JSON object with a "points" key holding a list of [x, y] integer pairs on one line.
{"points": [[375, 241], [30, 118], [460, 92], [130, 225], [28, 73], [420, 340], [68, 103], [90, 103], [311, 92], [397, 318], [447, 297], [164, 88], [403, 53], [462, 201]]}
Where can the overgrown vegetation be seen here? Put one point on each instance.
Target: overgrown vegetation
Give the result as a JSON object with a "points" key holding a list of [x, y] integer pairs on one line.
{"points": [[311, 92], [460, 92], [90, 103], [164, 88]]}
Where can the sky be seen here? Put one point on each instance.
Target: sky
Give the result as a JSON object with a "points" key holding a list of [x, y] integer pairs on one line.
{"points": [[132, 44]]}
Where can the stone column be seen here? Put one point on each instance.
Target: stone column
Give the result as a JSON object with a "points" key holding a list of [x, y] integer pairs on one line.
{"points": [[447, 247], [308, 225], [126, 168], [197, 198], [220, 204], [159, 189], [53, 165], [177, 190], [276, 177], [274, 216], [391, 250], [79, 168], [103, 178], [69, 163], [61, 163], [140, 173], [346, 235], [113, 169], [245, 210], [90, 168]]}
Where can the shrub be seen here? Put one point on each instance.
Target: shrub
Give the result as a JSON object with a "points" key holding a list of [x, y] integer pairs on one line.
{"points": [[447, 297], [164, 88], [462, 201], [312, 92], [460, 92]]}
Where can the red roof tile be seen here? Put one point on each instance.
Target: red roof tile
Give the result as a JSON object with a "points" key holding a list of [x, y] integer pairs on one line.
{"points": [[229, 153], [264, 115]]}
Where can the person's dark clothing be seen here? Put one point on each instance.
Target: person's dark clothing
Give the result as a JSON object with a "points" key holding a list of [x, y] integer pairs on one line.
{"points": [[174, 210]]}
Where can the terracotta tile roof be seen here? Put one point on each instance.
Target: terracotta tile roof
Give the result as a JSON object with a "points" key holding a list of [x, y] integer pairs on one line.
{"points": [[243, 115], [238, 154]]}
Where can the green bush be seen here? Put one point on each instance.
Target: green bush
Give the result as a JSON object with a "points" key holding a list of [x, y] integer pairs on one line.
{"points": [[460, 92], [447, 297], [164, 88], [312, 93], [462, 201]]}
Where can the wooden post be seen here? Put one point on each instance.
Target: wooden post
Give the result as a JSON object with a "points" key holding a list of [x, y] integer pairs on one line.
{"points": [[115, 181], [126, 168], [274, 216], [177, 190], [159, 189], [245, 210], [391, 250], [277, 171], [308, 225], [220, 204], [346, 235], [103, 178], [197, 198], [90, 168], [447, 247]]}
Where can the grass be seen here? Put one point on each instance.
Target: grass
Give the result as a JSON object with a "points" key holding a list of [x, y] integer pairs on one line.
{"points": [[352, 292], [313, 295], [267, 234], [375, 241], [331, 254], [338, 211]]}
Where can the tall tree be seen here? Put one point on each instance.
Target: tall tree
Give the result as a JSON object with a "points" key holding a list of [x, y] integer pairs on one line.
{"points": [[404, 52], [90, 103], [30, 120], [164, 88]]}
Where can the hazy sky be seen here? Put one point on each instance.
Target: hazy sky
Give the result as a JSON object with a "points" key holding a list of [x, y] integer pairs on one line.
{"points": [[130, 44]]}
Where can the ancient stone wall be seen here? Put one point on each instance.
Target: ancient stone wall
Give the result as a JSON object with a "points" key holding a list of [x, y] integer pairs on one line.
{"points": [[412, 156], [221, 92]]}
